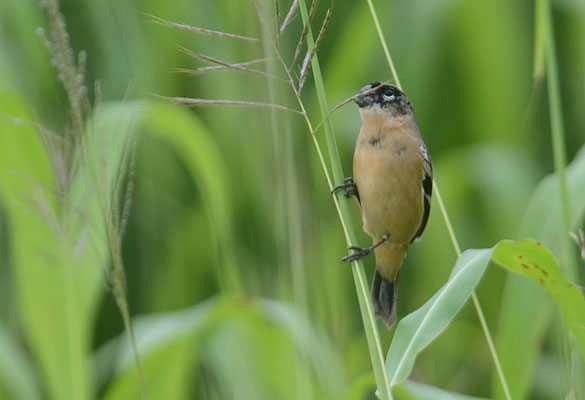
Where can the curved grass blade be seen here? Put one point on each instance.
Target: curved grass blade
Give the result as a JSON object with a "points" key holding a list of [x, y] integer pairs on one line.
{"points": [[418, 329]]}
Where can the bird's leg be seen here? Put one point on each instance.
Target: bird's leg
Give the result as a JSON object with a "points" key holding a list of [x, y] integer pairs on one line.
{"points": [[364, 251], [348, 184]]}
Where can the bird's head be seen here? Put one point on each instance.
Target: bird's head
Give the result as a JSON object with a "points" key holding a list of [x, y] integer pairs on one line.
{"points": [[384, 97]]}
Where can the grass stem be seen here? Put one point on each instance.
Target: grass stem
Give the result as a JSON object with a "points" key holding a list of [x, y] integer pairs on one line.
{"points": [[558, 135]]}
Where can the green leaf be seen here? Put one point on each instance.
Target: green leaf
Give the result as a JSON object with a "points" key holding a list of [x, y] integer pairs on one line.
{"points": [[418, 329], [531, 259]]}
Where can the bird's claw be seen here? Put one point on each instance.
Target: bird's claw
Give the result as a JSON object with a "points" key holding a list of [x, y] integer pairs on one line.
{"points": [[348, 184], [361, 252]]}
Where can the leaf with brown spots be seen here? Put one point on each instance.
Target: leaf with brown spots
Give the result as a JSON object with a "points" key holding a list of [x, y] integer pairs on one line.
{"points": [[533, 260]]}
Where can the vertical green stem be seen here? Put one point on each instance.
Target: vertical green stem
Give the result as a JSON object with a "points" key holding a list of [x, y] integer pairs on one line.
{"points": [[476, 303], [384, 45], [366, 309], [558, 134]]}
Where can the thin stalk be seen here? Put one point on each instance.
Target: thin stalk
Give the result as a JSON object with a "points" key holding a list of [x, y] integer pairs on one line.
{"points": [[539, 61], [342, 206], [384, 45], [476, 303], [558, 134]]}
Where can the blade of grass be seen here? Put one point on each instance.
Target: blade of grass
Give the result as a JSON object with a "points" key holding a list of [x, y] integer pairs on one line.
{"points": [[342, 205], [476, 304]]}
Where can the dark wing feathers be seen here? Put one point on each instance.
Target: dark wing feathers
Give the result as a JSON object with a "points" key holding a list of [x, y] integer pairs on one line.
{"points": [[427, 187]]}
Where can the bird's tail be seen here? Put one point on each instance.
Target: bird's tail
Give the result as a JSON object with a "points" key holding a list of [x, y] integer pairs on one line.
{"points": [[384, 293]]}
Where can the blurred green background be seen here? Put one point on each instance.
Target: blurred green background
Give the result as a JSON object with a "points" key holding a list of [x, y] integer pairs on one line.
{"points": [[233, 243]]}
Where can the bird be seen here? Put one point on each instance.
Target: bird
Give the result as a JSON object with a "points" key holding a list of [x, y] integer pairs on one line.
{"points": [[393, 182]]}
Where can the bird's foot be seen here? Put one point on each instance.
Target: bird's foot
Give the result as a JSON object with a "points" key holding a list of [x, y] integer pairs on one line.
{"points": [[348, 184], [361, 252]]}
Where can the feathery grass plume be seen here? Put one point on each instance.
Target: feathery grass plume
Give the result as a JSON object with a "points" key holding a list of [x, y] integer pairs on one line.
{"points": [[224, 64], [210, 102], [203, 31], [68, 156], [202, 70], [69, 72], [303, 36], [289, 16], [307, 61]]}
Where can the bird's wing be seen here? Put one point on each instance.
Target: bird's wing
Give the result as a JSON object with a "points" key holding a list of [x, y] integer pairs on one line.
{"points": [[427, 190]]}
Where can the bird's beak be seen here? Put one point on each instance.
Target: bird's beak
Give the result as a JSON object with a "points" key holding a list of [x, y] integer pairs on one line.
{"points": [[365, 100]]}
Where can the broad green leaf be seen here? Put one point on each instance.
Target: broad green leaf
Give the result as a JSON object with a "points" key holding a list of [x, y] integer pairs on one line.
{"points": [[523, 321], [418, 329], [531, 259]]}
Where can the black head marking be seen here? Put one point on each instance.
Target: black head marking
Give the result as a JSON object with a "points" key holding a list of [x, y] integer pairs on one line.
{"points": [[384, 95]]}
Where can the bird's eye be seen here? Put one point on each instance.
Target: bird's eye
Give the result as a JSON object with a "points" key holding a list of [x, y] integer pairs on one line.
{"points": [[388, 96]]}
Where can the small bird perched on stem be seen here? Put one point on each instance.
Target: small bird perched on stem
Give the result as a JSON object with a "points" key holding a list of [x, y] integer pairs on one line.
{"points": [[393, 181]]}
